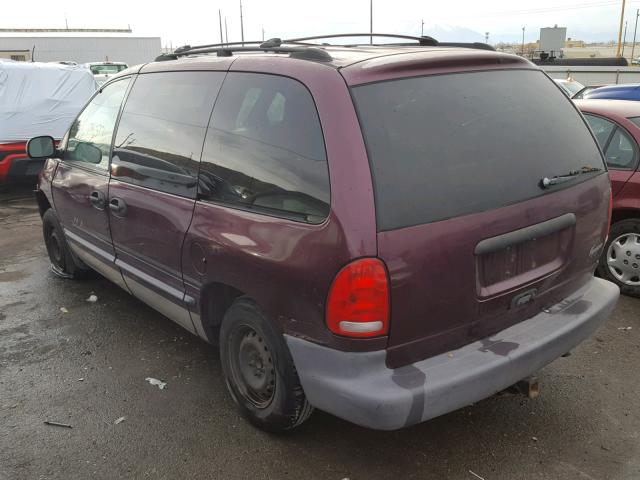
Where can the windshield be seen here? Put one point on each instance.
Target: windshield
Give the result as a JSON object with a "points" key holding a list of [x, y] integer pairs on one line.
{"points": [[585, 91], [442, 146], [107, 69]]}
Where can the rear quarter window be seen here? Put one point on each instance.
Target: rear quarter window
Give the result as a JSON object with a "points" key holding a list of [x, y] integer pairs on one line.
{"points": [[442, 146]]}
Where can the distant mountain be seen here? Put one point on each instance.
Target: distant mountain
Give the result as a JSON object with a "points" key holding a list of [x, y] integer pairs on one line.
{"points": [[452, 33]]}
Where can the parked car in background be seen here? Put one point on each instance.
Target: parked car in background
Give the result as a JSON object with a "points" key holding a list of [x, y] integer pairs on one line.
{"points": [[103, 71], [625, 91], [36, 98], [616, 125], [569, 86], [345, 250], [586, 90]]}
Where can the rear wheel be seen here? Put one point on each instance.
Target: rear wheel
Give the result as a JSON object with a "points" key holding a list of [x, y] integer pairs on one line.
{"points": [[620, 261], [62, 261], [259, 370]]}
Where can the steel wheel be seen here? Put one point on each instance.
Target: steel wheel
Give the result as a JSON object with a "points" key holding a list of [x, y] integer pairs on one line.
{"points": [[623, 259], [55, 249], [252, 367]]}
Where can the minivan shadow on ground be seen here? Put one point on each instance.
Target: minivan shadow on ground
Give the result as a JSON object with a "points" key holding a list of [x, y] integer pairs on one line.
{"points": [[86, 366]]}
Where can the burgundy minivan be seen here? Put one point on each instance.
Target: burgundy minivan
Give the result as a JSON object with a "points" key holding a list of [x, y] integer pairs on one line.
{"points": [[386, 233]]}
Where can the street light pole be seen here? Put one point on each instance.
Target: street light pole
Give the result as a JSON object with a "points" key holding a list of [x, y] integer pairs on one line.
{"points": [[486, 37], [241, 25], [422, 29], [523, 41], [620, 29], [220, 20], [370, 22], [624, 39], [635, 29]]}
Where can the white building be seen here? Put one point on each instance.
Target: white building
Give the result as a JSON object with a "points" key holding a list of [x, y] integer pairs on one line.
{"points": [[81, 46]]}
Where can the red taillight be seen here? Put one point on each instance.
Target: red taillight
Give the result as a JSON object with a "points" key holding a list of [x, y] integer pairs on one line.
{"points": [[358, 302]]}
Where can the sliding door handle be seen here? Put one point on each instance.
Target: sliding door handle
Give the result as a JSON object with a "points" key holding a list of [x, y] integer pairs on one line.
{"points": [[118, 207]]}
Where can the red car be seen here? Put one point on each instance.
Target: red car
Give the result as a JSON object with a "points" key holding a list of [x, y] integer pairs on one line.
{"points": [[36, 98], [386, 233], [616, 126]]}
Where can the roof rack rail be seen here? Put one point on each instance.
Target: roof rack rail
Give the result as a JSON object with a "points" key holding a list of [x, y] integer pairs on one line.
{"points": [[271, 45], [305, 50], [424, 41]]}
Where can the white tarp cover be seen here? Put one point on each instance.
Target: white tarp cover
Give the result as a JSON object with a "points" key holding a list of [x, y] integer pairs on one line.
{"points": [[41, 98]]}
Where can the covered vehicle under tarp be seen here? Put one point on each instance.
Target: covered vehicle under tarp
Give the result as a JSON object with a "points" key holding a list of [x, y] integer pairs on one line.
{"points": [[41, 98]]}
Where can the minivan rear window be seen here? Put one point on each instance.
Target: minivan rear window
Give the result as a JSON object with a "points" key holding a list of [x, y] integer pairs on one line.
{"points": [[442, 146]]}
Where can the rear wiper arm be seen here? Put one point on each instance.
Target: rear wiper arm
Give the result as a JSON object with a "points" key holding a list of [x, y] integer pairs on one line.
{"points": [[547, 182]]}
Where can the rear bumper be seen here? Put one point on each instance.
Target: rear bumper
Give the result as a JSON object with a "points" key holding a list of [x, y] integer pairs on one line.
{"points": [[360, 388]]}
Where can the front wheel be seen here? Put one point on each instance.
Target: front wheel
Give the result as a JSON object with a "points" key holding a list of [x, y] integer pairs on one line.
{"points": [[259, 371], [62, 261], [620, 260]]}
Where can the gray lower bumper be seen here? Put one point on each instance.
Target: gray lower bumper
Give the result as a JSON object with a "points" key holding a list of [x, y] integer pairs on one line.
{"points": [[360, 388]]}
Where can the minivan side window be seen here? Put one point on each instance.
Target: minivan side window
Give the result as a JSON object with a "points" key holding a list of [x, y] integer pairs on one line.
{"points": [[264, 150], [620, 151], [162, 129], [88, 141]]}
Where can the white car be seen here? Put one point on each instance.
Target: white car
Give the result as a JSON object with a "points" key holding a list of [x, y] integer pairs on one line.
{"points": [[102, 71], [569, 86]]}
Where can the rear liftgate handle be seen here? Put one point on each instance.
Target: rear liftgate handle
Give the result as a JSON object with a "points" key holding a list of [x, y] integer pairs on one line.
{"points": [[118, 207]]}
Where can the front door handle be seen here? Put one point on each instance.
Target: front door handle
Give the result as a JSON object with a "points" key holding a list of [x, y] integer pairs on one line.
{"points": [[118, 207], [97, 199]]}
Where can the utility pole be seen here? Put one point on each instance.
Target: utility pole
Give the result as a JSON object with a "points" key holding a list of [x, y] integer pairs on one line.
{"points": [[370, 22], [620, 29], [635, 29], [226, 32], [624, 39], [241, 25], [220, 20], [522, 41], [422, 29], [486, 37]]}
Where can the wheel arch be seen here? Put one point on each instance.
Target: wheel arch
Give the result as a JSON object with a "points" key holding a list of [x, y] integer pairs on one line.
{"points": [[215, 300], [43, 202]]}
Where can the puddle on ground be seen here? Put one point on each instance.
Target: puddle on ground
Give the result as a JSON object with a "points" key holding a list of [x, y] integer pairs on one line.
{"points": [[12, 276]]}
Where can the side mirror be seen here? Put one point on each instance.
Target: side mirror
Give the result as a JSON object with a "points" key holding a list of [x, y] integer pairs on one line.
{"points": [[41, 147], [88, 152]]}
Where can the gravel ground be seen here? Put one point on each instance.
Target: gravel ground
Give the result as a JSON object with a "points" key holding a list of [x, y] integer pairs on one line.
{"points": [[81, 363]]}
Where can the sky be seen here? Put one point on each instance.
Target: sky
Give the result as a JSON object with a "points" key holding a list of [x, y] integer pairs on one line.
{"points": [[196, 22]]}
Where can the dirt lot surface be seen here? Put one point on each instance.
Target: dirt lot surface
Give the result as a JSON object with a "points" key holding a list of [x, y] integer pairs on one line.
{"points": [[81, 363]]}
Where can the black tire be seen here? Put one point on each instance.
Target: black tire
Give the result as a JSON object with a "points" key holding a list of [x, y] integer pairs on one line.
{"points": [[63, 263], [624, 231], [259, 371]]}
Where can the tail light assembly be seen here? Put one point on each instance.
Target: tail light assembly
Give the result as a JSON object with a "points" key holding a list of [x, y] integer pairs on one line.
{"points": [[358, 301]]}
